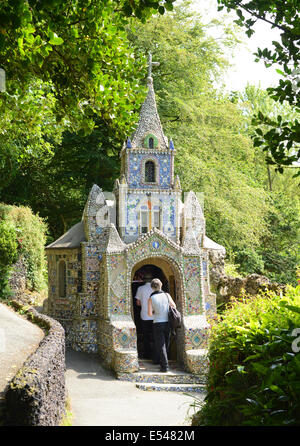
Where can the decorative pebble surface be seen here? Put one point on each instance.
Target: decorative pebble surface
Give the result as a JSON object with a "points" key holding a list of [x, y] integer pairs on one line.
{"points": [[101, 258], [172, 388]]}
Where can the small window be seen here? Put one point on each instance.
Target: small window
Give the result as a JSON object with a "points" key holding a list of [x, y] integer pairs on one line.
{"points": [[151, 143], [144, 222], [150, 172], [156, 219], [62, 279]]}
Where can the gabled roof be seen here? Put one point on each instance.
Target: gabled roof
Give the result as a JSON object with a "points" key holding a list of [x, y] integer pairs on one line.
{"points": [[210, 244], [71, 239], [160, 235]]}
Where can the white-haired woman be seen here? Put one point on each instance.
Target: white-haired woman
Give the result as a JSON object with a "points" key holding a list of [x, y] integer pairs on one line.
{"points": [[158, 307]]}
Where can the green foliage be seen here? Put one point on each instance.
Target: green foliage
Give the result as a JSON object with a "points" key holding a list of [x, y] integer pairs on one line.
{"points": [[29, 232], [255, 363], [250, 260], [206, 127], [28, 128], [281, 139], [8, 244], [231, 269], [56, 186], [48, 166], [83, 53], [279, 245], [8, 254]]}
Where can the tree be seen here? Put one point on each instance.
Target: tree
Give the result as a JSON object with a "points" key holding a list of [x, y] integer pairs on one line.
{"points": [[82, 53], [81, 48], [282, 139], [214, 154], [28, 128], [56, 184], [66, 72], [278, 254], [254, 100]]}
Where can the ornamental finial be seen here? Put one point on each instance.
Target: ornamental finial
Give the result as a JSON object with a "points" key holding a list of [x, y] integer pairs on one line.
{"points": [[151, 64]]}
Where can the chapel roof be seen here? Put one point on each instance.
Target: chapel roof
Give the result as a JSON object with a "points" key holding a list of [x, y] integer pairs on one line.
{"points": [[148, 235], [71, 239], [210, 244]]}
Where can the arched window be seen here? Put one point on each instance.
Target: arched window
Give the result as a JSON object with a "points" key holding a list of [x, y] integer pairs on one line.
{"points": [[151, 143], [150, 172], [62, 279]]}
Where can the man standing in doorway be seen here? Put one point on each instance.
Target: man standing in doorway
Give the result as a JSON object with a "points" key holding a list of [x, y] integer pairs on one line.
{"points": [[142, 296]]}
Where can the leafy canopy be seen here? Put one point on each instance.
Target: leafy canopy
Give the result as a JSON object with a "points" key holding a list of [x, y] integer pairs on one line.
{"points": [[281, 140]]}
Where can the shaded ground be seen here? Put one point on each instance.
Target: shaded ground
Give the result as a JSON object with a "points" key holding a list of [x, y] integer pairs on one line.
{"points": [[98, 399], [19, 338]]}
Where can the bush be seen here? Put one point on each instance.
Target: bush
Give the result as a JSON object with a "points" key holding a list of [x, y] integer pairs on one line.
{"points": [[8, 244], [231, 269], [254, 376], [8, 254], [31, 234], [249, 262], [29, 238]]}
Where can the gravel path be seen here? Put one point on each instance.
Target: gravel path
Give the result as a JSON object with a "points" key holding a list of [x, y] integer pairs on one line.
{"points": [[98, 399], [19, 338]]}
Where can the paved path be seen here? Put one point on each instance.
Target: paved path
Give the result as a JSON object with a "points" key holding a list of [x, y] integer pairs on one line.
{"points": [[19, 338], [98, 399]]}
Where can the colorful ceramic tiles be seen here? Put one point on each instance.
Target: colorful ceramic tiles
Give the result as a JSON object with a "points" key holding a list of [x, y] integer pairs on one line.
{"points": [[143, 222]]}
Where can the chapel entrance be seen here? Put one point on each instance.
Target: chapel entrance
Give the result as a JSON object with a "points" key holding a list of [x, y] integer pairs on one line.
{"points": [[160, 270]]}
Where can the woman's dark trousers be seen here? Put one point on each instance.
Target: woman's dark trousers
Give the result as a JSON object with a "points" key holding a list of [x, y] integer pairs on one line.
{"points": [[147, 327], [161, 335]]}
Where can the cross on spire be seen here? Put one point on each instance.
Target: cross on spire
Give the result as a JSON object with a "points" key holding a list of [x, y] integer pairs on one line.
{"points": [[151, 64]]}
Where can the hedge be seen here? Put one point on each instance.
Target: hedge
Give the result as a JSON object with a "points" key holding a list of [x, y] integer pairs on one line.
{"points": [[254, 376]]}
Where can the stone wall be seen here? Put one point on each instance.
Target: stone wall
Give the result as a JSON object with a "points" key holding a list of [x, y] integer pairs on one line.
{"points": [[226, 287], [252, 285], [17, 280], [36, 395]]}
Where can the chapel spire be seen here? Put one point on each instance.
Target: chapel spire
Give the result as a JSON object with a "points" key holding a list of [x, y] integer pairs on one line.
{"points": [[149, 132]]}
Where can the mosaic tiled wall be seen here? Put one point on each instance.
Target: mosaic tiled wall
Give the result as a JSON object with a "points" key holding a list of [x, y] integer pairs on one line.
{"points": [[135, 175], [85, 323], [192, 276], [64, 308], [137, 202], [152, 246], [118, 301]]}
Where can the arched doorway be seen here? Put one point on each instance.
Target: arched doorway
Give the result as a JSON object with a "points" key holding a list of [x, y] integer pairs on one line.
{"points": [[155, 267]]}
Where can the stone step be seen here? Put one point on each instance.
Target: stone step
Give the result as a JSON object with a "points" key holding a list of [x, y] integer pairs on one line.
{"points": [[163, 378], [150, 373], [158, 387]]}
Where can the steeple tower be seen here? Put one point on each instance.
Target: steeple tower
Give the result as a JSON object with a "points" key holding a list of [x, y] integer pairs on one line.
{"points": [[149, 133], [147, 196]]}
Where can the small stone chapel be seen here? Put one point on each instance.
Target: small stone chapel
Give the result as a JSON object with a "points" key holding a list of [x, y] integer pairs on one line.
{"points": [[96, 267]]}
